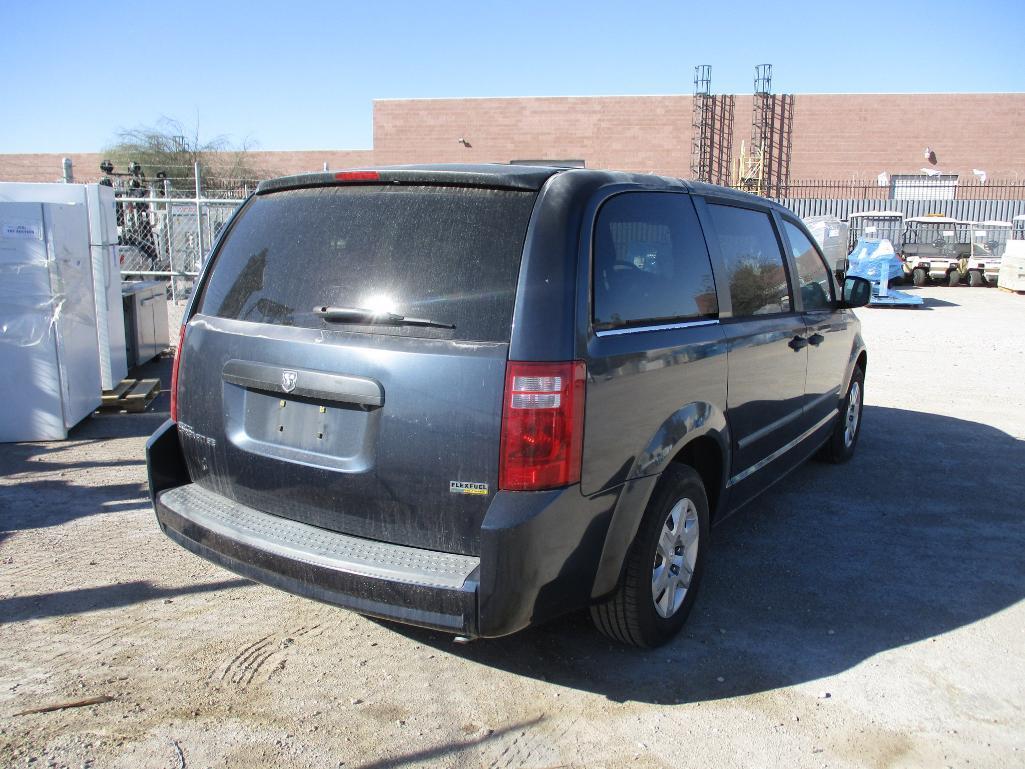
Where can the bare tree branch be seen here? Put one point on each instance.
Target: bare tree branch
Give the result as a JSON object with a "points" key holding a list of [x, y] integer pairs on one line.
{"points": [[171, 147]]}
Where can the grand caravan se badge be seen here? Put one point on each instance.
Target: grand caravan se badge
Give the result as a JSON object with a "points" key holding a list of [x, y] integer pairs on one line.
{"points": [[467, 487]]}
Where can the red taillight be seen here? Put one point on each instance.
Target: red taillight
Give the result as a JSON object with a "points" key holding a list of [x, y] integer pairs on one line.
{"points": [[358, 176], [174, 374], [542, 425]]}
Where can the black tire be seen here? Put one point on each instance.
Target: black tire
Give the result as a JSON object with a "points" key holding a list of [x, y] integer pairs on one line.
{"points": [[976, 279], [630, 615], [838, 449], [953, 278], [919, 276]]}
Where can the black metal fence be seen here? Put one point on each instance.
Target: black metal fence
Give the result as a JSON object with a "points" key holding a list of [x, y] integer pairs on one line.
{"points": [[965, 210], [905, 188]]}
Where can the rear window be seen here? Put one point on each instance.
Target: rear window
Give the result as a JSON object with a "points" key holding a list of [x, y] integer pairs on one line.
{"points": [[451, 255]]}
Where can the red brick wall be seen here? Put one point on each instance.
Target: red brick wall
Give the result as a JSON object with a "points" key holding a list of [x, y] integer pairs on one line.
{"points": [[631, 133], [46, 167], [836, 136], [285, 163], [840, 135]]}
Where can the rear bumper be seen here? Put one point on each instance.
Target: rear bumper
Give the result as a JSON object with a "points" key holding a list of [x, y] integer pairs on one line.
{"points": [[539, 554], [411, 585]]}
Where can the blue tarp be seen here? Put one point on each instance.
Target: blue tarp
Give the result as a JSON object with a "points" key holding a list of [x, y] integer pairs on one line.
{"points": [[872, 258]]}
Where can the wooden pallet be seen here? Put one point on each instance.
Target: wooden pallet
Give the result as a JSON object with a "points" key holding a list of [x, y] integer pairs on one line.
{"points": [[132, 395]]}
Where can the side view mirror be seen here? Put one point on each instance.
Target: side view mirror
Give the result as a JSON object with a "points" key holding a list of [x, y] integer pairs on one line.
{"points": [[857, 292]]}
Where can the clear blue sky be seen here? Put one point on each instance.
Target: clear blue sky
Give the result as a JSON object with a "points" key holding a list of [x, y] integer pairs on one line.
{"points": [[302, 75]]}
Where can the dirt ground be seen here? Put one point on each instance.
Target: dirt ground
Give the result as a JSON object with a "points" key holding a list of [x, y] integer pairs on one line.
{"points": [[869, 615]]}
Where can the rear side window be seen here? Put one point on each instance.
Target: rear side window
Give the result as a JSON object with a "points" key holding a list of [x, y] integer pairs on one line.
{"points": [[450, 255], [816, 285], [753, 261], [650, 262]]}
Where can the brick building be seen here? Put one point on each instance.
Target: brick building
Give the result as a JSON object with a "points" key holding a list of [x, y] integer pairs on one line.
{"points": [[835, 136]]}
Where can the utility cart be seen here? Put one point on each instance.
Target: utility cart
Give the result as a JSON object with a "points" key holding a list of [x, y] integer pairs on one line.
{"points": [[1018, 227], [877, 225], [936, 248], [989, 241]]}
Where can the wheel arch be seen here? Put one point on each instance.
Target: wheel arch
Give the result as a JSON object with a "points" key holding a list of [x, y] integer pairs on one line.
{"points": [[696, 435], [858, 359], [862, 361], [708, 458]]}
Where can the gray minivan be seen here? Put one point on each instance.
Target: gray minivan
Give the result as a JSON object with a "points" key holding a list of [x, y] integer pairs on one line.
{"points": [[472, 398]]}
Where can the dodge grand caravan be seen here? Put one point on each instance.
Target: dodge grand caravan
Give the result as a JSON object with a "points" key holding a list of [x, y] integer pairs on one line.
{"points": [[472, 398]]}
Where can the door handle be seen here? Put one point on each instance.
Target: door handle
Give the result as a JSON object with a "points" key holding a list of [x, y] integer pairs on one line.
{"points": [[816, 339], [798, 343]]}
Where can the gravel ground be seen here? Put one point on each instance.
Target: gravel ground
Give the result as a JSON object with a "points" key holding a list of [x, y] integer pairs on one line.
{"points": [[860, 616]]}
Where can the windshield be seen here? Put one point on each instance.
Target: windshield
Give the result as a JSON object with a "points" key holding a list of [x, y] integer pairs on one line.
{"points": [[448, 254]]}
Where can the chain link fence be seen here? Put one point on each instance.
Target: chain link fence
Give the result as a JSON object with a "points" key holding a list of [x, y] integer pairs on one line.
{"points": [[169, 238], [166, 226]]}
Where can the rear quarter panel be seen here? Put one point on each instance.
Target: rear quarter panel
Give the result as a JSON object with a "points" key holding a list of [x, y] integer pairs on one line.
{"points": [[648, 394]]}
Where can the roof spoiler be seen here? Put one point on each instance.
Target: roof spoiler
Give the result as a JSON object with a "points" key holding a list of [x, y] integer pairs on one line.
{"points": [[496, 177]]}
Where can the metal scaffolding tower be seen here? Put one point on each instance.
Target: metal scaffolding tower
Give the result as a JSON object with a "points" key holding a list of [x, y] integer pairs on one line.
{"points": [[711, 131], [765, 170]]}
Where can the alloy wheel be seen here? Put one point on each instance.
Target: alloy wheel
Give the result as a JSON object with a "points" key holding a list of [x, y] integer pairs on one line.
{"points": [[676, 554]]}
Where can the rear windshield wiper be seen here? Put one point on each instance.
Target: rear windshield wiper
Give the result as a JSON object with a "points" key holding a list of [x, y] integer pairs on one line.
{"points": [[373, 317]]}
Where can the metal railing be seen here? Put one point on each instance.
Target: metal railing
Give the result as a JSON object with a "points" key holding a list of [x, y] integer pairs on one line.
{"points": [[964, 210], [906, 187]]}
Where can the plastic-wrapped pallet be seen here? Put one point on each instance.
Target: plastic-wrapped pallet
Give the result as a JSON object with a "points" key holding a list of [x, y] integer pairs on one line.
{"points": [[872, 259], [1012, 266], [831, 234]]}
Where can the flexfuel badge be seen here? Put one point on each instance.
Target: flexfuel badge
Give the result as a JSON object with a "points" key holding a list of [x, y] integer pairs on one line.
{"points": [[467, 487]]}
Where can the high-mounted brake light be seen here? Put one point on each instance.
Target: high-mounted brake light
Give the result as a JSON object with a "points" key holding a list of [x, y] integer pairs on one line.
{"points": [[174, 374], [542, 425], [358, 176]]}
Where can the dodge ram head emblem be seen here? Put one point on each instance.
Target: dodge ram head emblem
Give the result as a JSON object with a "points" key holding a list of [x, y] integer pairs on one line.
{"points": [[288, 380]]}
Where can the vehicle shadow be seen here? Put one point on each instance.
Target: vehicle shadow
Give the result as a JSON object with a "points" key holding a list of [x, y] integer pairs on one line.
{"points": [[77, 601], [833, 565]]}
